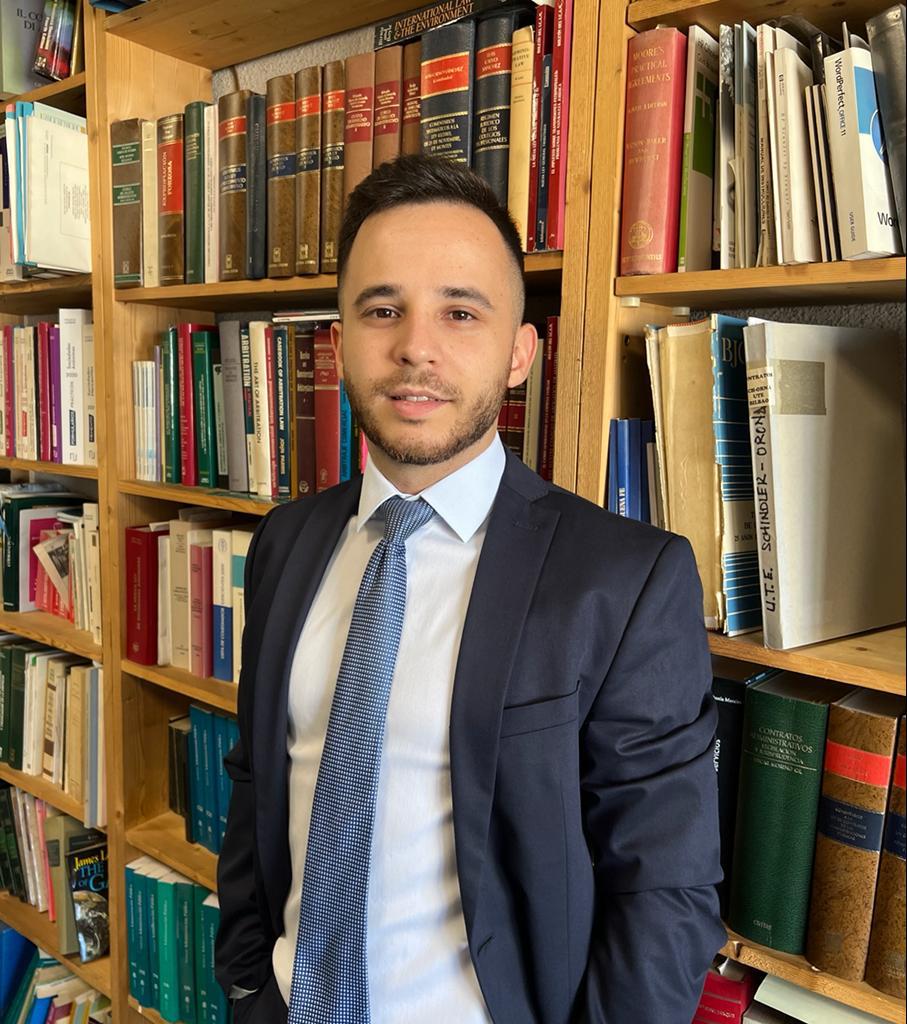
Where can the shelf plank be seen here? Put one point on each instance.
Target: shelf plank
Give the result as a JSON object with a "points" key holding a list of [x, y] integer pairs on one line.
{"points": [[875, 660], [215, 692], [45, 295], [799, 971], [39, 787], [59, 468], [199, 496], [36, 926], [164, 838], [69, 94], [710, 14], [51, 630], [147, 1012], [843, 282]]}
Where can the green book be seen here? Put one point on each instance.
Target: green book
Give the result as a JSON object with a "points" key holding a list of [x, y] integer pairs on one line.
{"points": [[194, 150], [185, 948], [11, 504], [5, 694], [168, 963], [18, 657], [217, 1001], [26, 988], [784, 722], [171, 410], [205, 352], [203, 967], [151, 876], [137, 952], [8, 838]]}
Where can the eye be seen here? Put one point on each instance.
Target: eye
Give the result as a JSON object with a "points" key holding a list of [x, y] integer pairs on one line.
{"points": [[382, 313], [461, 315]]}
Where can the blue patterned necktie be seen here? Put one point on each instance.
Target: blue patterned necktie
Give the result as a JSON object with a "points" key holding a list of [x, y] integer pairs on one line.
{"points": [[330, 969]]}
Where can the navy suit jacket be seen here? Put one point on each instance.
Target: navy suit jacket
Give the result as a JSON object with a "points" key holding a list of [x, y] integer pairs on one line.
{"points": [[581, 734]]}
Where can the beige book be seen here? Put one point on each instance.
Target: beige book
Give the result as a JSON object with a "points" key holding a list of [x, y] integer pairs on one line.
{"points": [[180, 610], [55, 718], [520, 129], [241, 540], [260, 466], [75, 738], [92, 540], [89, 396], [150, 265]]}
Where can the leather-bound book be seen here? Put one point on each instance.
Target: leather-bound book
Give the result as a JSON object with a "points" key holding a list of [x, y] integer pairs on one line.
{"points": [[126, 181], [303, 360], [859, 751], [232, 136], [256, 201], [280, 132], [411, 124], [333, 120], [885, 963], [520, 132], [308, 169], [538, 153], [171, 202], [359, 127], [491, 136], [447, 84], [560, 121], [195, 192], [388, 104]]}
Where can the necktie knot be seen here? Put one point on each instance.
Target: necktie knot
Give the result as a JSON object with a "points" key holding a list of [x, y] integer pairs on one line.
{"points": [[402, 518]]}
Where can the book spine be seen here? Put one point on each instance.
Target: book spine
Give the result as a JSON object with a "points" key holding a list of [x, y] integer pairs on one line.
{"points": [[270, 398], [171, 199], [200, 610], [89, 396], [256, 213], [132, 942], [560, 108], [56, 396], [126, 188], [359, 123], [43, 351], [234, 411], [223, 786], [141, 595], [149, 243], [653, 138], [171, 411], [333, 121], [233, 183], [520, 131], [260, 453], [202, 343], [220, 428], [202, 968], [411, 108], [549, 400], [211, 197], [327, 413], [388, 104], [280, 141], [222, 605], [9, 399], [199, 723], [188, 458], [308, 169], [447, 86], [282, 407], [492, 118], [304, 411], [541, 44], [167, 950], [195, 191]]}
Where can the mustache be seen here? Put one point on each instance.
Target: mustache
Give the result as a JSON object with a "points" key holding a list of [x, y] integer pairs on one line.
{"points": [[423, 380]]}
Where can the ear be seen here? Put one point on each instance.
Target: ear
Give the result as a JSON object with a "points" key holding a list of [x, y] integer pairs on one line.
{"points": [[525, 345], [337, 345]]}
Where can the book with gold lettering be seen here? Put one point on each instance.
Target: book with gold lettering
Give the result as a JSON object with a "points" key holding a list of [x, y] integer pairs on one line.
{"points": [[233, 184], [447, 91], [308, 169], [333, 120], [388, 104], [410, 134], [171, 203], [280, 117], [359, 125]]}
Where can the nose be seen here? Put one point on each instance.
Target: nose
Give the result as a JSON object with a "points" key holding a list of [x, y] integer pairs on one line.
{"points": [[415, 340]]}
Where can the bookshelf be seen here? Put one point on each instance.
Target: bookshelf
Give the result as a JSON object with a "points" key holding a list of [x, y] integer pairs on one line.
{"points": [[151, 61], [39, 787]]}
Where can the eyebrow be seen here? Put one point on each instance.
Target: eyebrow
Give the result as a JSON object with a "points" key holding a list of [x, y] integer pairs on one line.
{"points": [[393, 291]]}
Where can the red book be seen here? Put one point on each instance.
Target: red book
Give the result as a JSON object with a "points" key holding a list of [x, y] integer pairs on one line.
{"points": [[271, 392], [542, 43], [653, 143], [201, 647], [549, 400], [141, 594], [44, 428], [9, 415], [327, 413], [188, 460], [560, 111], [304, 408], [359, 125]]}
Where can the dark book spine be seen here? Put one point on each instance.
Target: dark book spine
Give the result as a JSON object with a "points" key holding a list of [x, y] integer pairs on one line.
{"points": [[141, 595], [256, 213], [308, 169], [282, 407], [203, 381], [541, 217], [542, 47], [415, 23], [447, 84], [281, 152], [171, 405], [195, 192], [126, 181], [333, 119], [491, 140], [16, 707], [5, 698], [171, 199], [729, 697], [8, 836], [233, 192], [388, 104], [411, 116], [304, 386], [359, 125]]}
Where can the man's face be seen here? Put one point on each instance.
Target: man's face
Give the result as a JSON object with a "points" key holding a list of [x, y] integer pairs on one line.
{"points": [[429, 341]]}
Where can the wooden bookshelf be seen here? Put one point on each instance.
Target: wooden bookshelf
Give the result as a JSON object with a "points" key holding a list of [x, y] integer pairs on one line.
{"points": [[43, 932], [216, 693], [39, 787], [212, 498], [164, 838], [58, 468], [799, 971], [45, 294], [51, 630], [710, 14], [146, 1012], [68, 94]]}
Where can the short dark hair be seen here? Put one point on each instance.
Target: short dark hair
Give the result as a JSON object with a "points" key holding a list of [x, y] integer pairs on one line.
{"points": [[415, 179]]}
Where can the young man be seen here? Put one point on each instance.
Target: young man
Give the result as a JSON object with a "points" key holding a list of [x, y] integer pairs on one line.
{"points": [[474, 781]]}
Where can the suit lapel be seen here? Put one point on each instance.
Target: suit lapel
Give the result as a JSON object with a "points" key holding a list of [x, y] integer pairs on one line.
{"points": [[516, 544], [293, 595]]}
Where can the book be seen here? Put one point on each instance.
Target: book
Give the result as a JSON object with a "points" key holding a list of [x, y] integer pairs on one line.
{"points": [[725, 188], [234, 414], [447, 91], [142, 591], [859, 755], [307, 205], [205, 354], [200, 603], [20, 25], [561, 56], [359, 123], [232, 133], [784, 723], [256, 188], [194, 184], [327, 412], [516, 180], [824, 422], [241, 540], [411, 106], [280, 132], [211, 193], [694, 250], [493, 106], [171, 201], [128, 197], [539, 134], [88, 883], [653, 140], [388, 104], [149, 248], [333, 121]]}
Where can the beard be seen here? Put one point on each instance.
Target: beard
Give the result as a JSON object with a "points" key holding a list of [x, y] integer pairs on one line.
{"points": [[471, 425]]}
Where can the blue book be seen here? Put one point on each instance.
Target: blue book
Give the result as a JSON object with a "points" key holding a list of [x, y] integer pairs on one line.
{"points": [[346, 436], [612, 467], [623, 466], [204, 969], [198, 726], [217, 1002], [15, 953], [634, 466], [153, 932], [281, 335], [222, 605], [646, 437], [205, 802], [133, 942], [223, 782], [541, 230], [185, 948], [40, 1008]]}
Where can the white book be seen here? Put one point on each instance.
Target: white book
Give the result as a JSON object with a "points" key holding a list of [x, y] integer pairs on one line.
{"points": [[260, 468], [89, 396], [138, 420], [163, 599], [93, 565], [212, 271], [828, 457], [534, 409], [180, 609], [33, 717], [793, 1002], [29, 817], [698, 162], [24, 393], [828, 193], [3, 384], [150, 265], [746, 197], [867, 221], [653, 360], [152, 435], [241, 541], [725, 190], [73, 392], [799, 224], [812, 96]]}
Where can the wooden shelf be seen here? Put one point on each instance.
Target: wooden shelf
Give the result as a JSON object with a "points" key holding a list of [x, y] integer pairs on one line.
{"points": [[875, 660], [39, 787], [843, 282], [215, 692], [69, 94], [45, 295], [542, 269], [199, 496], [36, 927], [59, 468], [710, 14], [51, 630], [164, 838], [148, 1012], [797, 970]]}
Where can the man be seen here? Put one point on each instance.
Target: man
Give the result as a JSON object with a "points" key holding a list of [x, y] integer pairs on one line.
{"points": [[474, 781]]}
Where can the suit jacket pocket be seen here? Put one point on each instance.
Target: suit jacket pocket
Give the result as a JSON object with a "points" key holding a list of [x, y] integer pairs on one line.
{"points": [[543, 714]]}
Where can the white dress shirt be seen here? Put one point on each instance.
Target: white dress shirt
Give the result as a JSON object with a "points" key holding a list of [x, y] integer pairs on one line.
{"points": [[419, 964]]}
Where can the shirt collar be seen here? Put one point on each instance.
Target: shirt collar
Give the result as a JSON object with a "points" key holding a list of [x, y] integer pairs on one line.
{"points": [[462, 499]]}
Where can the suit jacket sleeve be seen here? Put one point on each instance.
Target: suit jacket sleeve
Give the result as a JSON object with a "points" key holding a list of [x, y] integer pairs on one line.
{"points": [[650, 805], [243, 946]]}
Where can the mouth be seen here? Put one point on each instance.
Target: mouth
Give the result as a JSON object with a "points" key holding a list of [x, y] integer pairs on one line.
{"points": [[415, 403]]}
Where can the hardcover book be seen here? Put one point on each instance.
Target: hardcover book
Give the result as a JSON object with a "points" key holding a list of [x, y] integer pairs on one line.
{"points": [[560, 121], [308, 169], [333, 120], [491, 136], [126, 183], [88, 887], [520, 131], [388, 104], [232, 136], [256, 195], [411, 114], [359, 123], [447, 84], [282, 168], [171, 199], [195, 191]]}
